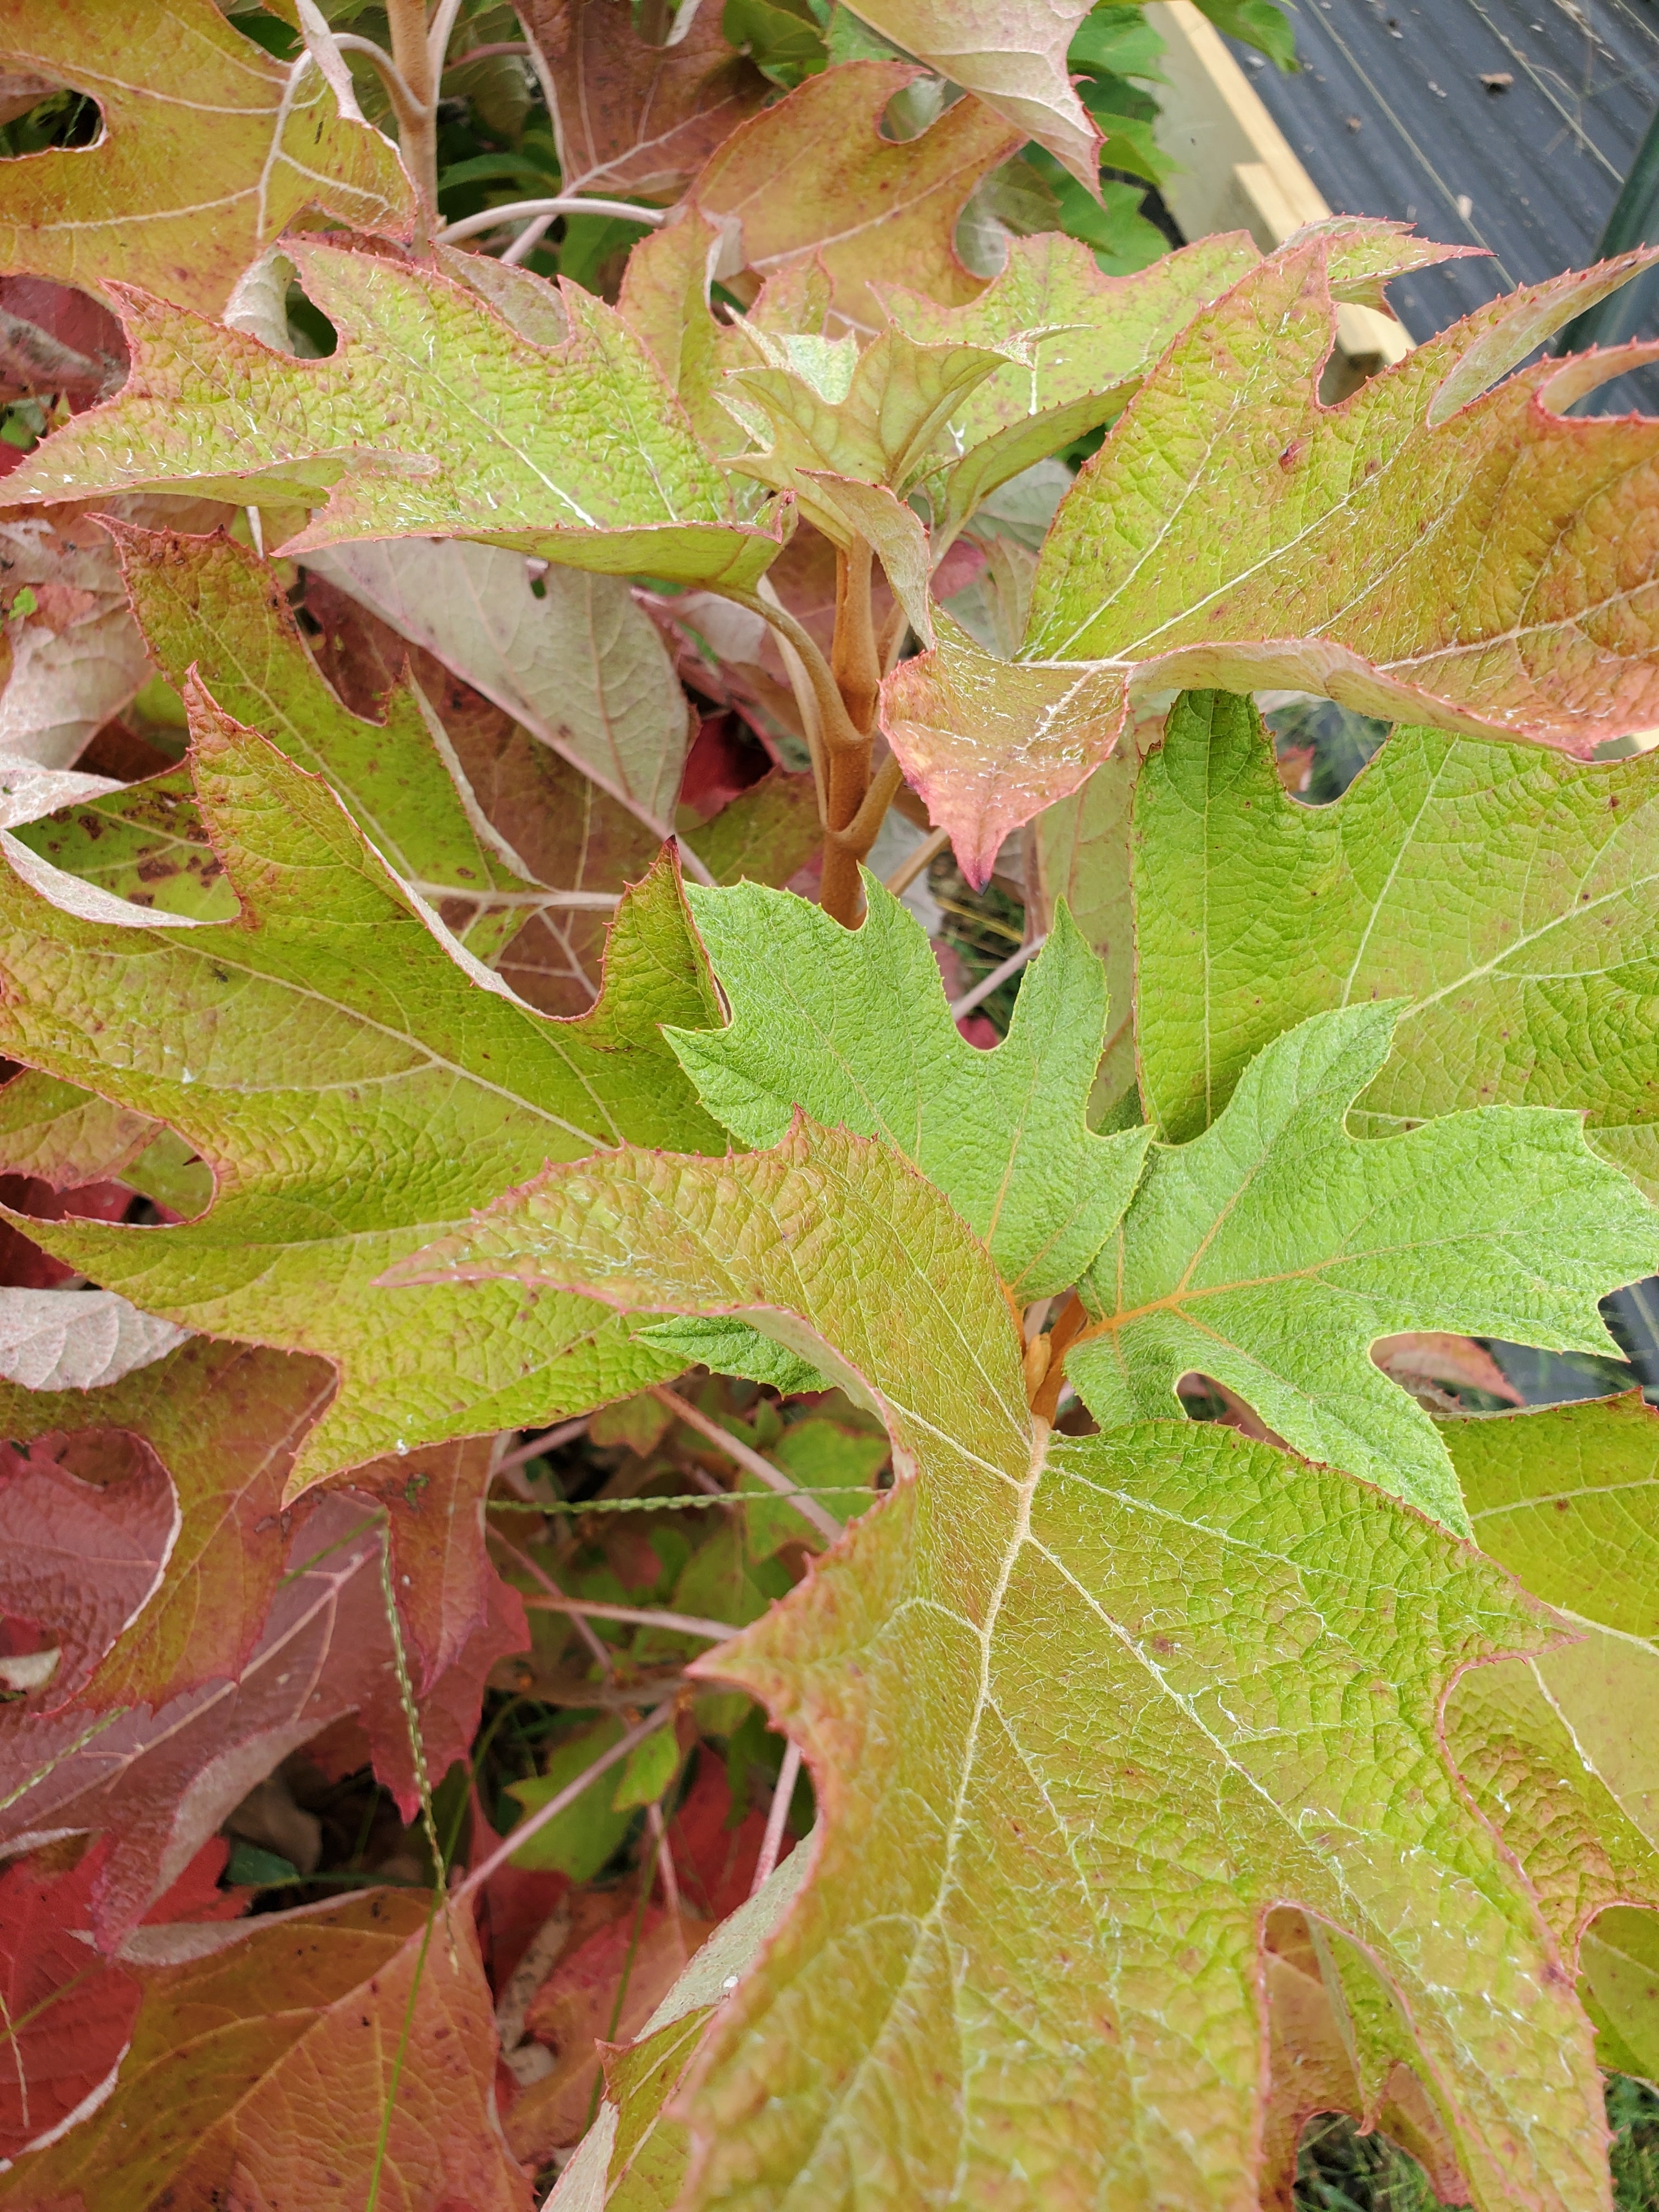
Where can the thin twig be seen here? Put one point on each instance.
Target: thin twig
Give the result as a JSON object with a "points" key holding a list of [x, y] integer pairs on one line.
{"points": [[834, 724], [488, 53], [986, 984], [595, 1642], [490, 902], [515, 210], [405, 106], [550, 1440], [439, 35], [666, 1871], [528, 240], [516, 1839], [682, 1624], [906, 870], [772, 1842], [803, 1502]]}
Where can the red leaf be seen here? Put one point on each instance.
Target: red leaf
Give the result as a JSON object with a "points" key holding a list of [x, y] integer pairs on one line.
{"points": [[224, 1421], [69, 2013], [80, 1558]]}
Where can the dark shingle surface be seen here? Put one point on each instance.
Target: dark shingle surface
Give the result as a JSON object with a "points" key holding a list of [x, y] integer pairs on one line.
{"points": [[1530, 173]]}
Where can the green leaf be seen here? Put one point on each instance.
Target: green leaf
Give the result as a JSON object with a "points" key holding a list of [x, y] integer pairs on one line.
{"points": [[578, 1841], [732, 1348], [851, 1026], [818, 1455], [1507, 896], [1567, 1498], [208, 151], [1430, 550], [1012, 58], [814, 175], [1273, 1251], [647, 1771], [821, 403], [1171, 1678], [783, 38], [354, 1081], [764, 834], [206, 603], [1259, 23], [433, 418], [1091, 338]]}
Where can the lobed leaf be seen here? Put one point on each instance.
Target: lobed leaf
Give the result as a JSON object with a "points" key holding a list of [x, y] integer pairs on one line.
{"points": [[582, 666], [1077, 1713], [354, 1083], [853, 1027], [434, 417], [1272, 1252], [197, 123], [1429, 548], [264, 2064], [1503, 895], [630, 117], [814, 175], [1090, 339]]}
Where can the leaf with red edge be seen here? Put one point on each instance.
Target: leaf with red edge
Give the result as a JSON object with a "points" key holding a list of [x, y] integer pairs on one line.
{"points": [[160, 1782], [1431, 548], [629, 118], [80, 1557], [192, 174], [814, 175], [259, 2070], [224, 1421], [68, 2011]]}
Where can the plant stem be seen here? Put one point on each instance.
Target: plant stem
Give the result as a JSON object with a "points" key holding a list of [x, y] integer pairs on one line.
{"points": [[856, 665], [516, 1837], [803, 1501], [560, 204], [772, 1842], [411, 53]]}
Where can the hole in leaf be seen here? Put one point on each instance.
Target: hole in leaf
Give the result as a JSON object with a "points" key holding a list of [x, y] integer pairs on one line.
{"points": [[315, 337], [36, 115]]}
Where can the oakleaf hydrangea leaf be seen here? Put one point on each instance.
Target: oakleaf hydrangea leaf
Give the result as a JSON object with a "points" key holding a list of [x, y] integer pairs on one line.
{"points": [[851, 1026], [1077, 1713], [728, 1347], [1558, 1748], [1429, 548], [814, 175], [209, 149], [206, 603], [354, 1082], [1506, 894], [339, 2013], [432, 418], [1012, 58], [1273, 1251], [1090, 339]]}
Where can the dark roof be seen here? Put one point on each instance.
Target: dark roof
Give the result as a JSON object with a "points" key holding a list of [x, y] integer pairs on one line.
{"points": [[1390, 117]]}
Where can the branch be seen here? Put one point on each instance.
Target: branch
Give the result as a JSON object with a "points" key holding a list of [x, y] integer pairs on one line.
{"points": [[405, 106], [518, 1838], [986, 984], [803, 1501], [835, 725], [772, 1842], [906, 870], [861, 832], [491, 218], [683, 1624], [488, 53]]}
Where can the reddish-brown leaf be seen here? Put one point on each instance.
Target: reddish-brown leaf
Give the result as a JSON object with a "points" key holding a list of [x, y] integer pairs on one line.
{"points": [[224, 1421], [630, 117], [258, 2074]]}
